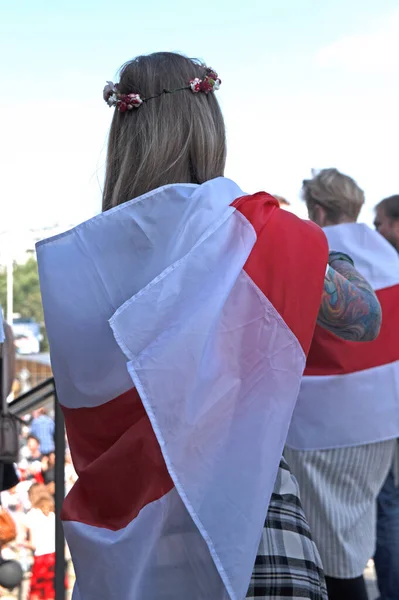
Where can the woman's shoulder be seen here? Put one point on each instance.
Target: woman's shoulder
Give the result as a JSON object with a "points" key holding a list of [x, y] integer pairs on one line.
{"points": [[288, 261]]}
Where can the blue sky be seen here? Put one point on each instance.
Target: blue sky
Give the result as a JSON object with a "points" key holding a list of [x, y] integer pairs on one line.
{"points": [[306, 83]]}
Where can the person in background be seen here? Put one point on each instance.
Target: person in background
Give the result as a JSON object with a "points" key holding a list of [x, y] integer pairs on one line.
{"points": [[9, 350], [11, 499], [31, 464], [33, 445], [42, 428], [35, 491], [343, 432], [386, 220], [9, 475], [48, 472], [40, 538], [10, 570], [386, 557]]}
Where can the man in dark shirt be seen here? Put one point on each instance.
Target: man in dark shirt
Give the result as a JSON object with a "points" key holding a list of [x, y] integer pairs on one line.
{"points": [[387, 552]]}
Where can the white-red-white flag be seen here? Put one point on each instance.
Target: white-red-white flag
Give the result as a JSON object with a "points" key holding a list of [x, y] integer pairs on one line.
{"points": [[179, 325], [350, 392]]}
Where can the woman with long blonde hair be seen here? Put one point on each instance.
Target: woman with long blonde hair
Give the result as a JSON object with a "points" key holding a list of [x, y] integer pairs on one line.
{"points": [[179, 320]]}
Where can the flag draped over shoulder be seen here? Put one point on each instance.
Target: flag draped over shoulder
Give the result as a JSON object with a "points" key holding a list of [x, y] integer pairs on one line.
{"points": [[179, 325], [350, 392]]}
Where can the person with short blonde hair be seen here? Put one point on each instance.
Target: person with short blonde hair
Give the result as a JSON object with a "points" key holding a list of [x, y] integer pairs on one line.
{"points": [[35, 491], [332, 197], [342, 435]]}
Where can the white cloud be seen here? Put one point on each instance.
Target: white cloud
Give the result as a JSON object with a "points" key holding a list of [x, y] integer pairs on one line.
{"points": [[374, 50]]}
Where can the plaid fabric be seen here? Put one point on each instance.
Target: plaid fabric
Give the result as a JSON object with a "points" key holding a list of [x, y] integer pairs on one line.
{"points": [[288, 564]]}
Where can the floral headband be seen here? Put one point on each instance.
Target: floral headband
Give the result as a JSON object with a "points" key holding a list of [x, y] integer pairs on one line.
{"points": [[125, 102]]}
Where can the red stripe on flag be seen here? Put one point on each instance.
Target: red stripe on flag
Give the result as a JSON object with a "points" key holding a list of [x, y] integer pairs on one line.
{"points": [[287, 263], [118, 460], [330, 355]]}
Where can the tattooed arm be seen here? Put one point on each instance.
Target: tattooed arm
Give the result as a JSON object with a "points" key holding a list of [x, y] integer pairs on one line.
{"points": [[349, 308]]}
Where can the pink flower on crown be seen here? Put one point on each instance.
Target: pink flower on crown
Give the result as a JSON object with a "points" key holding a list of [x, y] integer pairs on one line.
{"points": [[207, 85], [210, 83], [195, 85], [128, 102], [134, 100]]}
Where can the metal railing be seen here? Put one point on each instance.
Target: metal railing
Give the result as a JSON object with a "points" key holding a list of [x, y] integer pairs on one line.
{"points": [[45, 394]]}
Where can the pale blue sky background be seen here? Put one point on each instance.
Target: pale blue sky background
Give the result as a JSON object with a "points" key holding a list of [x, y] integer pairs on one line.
{"points": [[306, 83]]}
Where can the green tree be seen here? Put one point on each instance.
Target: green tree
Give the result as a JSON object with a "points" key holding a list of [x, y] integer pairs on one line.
{"points": [[26, 292]]}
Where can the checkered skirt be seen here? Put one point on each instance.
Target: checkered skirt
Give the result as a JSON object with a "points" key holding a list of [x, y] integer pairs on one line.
{"points": [[288, 564]]}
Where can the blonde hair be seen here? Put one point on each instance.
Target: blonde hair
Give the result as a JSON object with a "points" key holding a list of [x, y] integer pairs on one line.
{"points": [[35, 491], [176, 138], [338, 194], [45, 503]]}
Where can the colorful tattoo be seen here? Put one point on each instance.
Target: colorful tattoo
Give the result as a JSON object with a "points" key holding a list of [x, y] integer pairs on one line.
{"points": [[349, 308]]}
